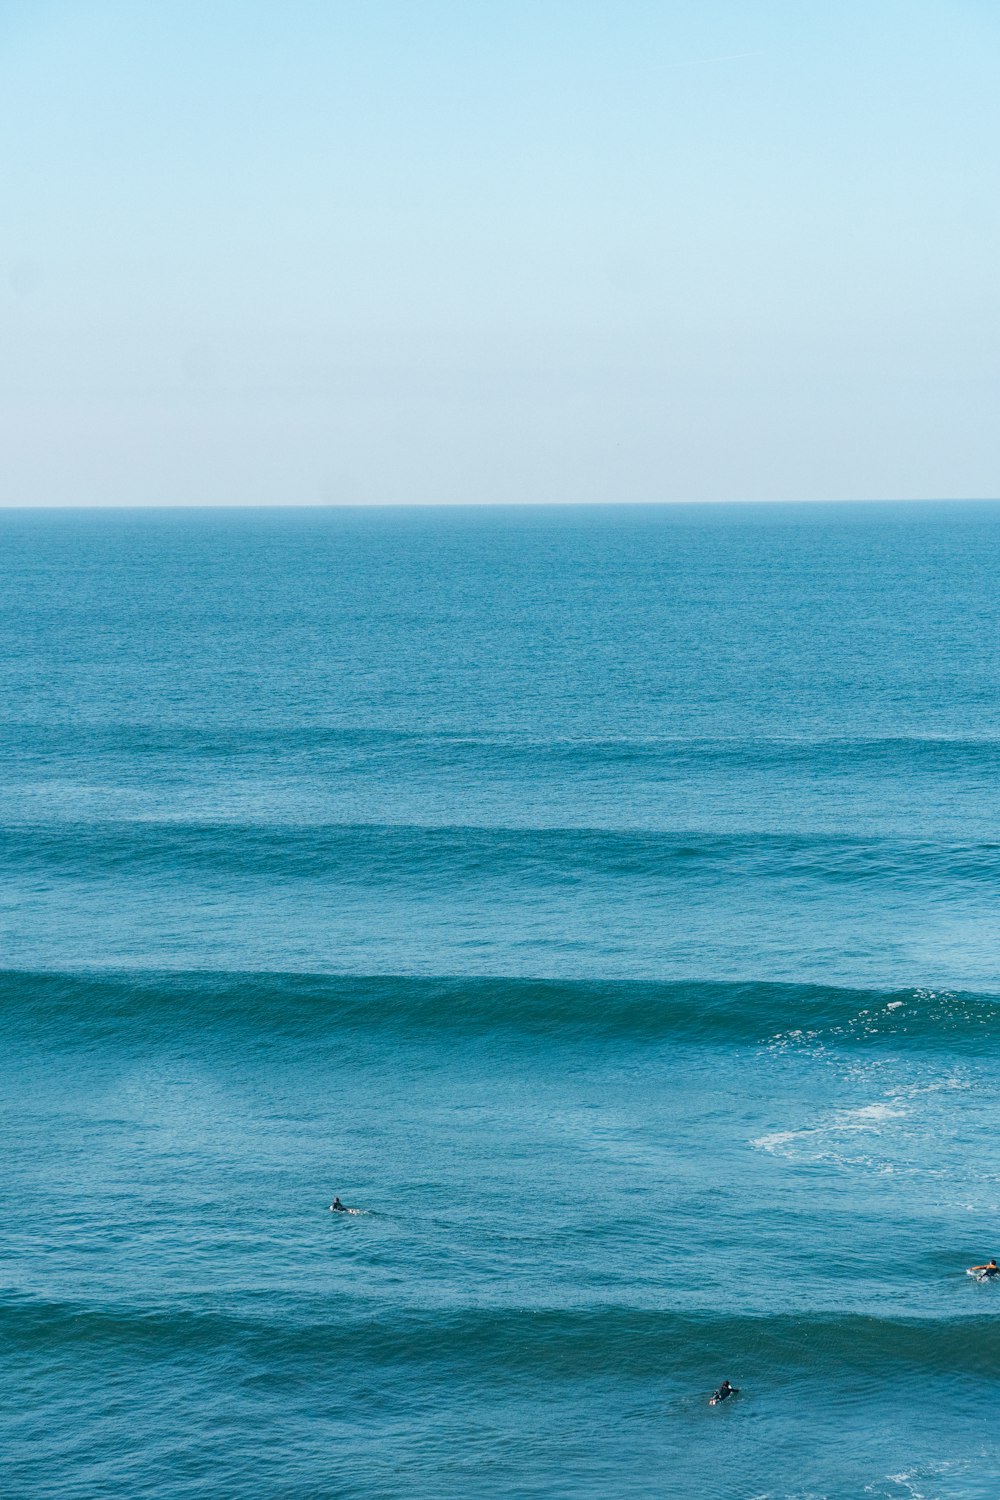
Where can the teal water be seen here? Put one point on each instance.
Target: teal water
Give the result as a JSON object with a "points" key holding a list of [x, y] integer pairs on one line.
{"points": [[604, 901]]}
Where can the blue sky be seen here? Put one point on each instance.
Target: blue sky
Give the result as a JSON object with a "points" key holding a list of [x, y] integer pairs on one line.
{"points": [[304, 253]]}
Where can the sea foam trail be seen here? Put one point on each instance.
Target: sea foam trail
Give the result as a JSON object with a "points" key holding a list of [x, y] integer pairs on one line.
{"points": [[198, 1004]]}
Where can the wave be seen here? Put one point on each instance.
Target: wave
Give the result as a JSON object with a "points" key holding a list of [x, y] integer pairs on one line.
{"points": [[408, 855], [118, 1005], [286, 741], [591, 1341]]}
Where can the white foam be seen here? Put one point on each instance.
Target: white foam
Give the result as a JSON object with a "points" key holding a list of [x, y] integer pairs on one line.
{"points": [[773, 1141], [864, 1117], [910, 1480], [867, 1115]]}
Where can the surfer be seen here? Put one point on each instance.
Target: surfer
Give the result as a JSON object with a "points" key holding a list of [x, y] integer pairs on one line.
{"points": [[336, 1207], [987, 1272], [723, 1393]]}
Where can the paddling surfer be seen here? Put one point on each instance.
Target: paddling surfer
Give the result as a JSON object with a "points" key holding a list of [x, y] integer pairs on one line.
{"points": [[723, 1393]]}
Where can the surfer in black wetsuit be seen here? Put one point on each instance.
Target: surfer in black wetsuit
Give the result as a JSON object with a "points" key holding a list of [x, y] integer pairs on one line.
{"points": [[723, 1393], [337, 1207], [987, 1272]]}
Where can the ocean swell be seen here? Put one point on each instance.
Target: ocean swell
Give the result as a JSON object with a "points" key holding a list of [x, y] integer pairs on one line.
{"points": [[558, 1343], [73, 1006]]}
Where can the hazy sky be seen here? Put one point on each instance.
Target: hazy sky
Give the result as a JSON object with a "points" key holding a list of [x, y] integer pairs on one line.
{"points": [[307, 251]]}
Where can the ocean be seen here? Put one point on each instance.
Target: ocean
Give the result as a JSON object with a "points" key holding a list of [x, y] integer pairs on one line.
{"points": [[602, 901]]}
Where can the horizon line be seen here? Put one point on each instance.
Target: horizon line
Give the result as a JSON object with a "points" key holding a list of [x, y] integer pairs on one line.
{"points": [[375, 505]]}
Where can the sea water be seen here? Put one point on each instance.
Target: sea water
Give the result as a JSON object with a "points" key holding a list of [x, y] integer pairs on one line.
{"points": [[604, 901]]}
